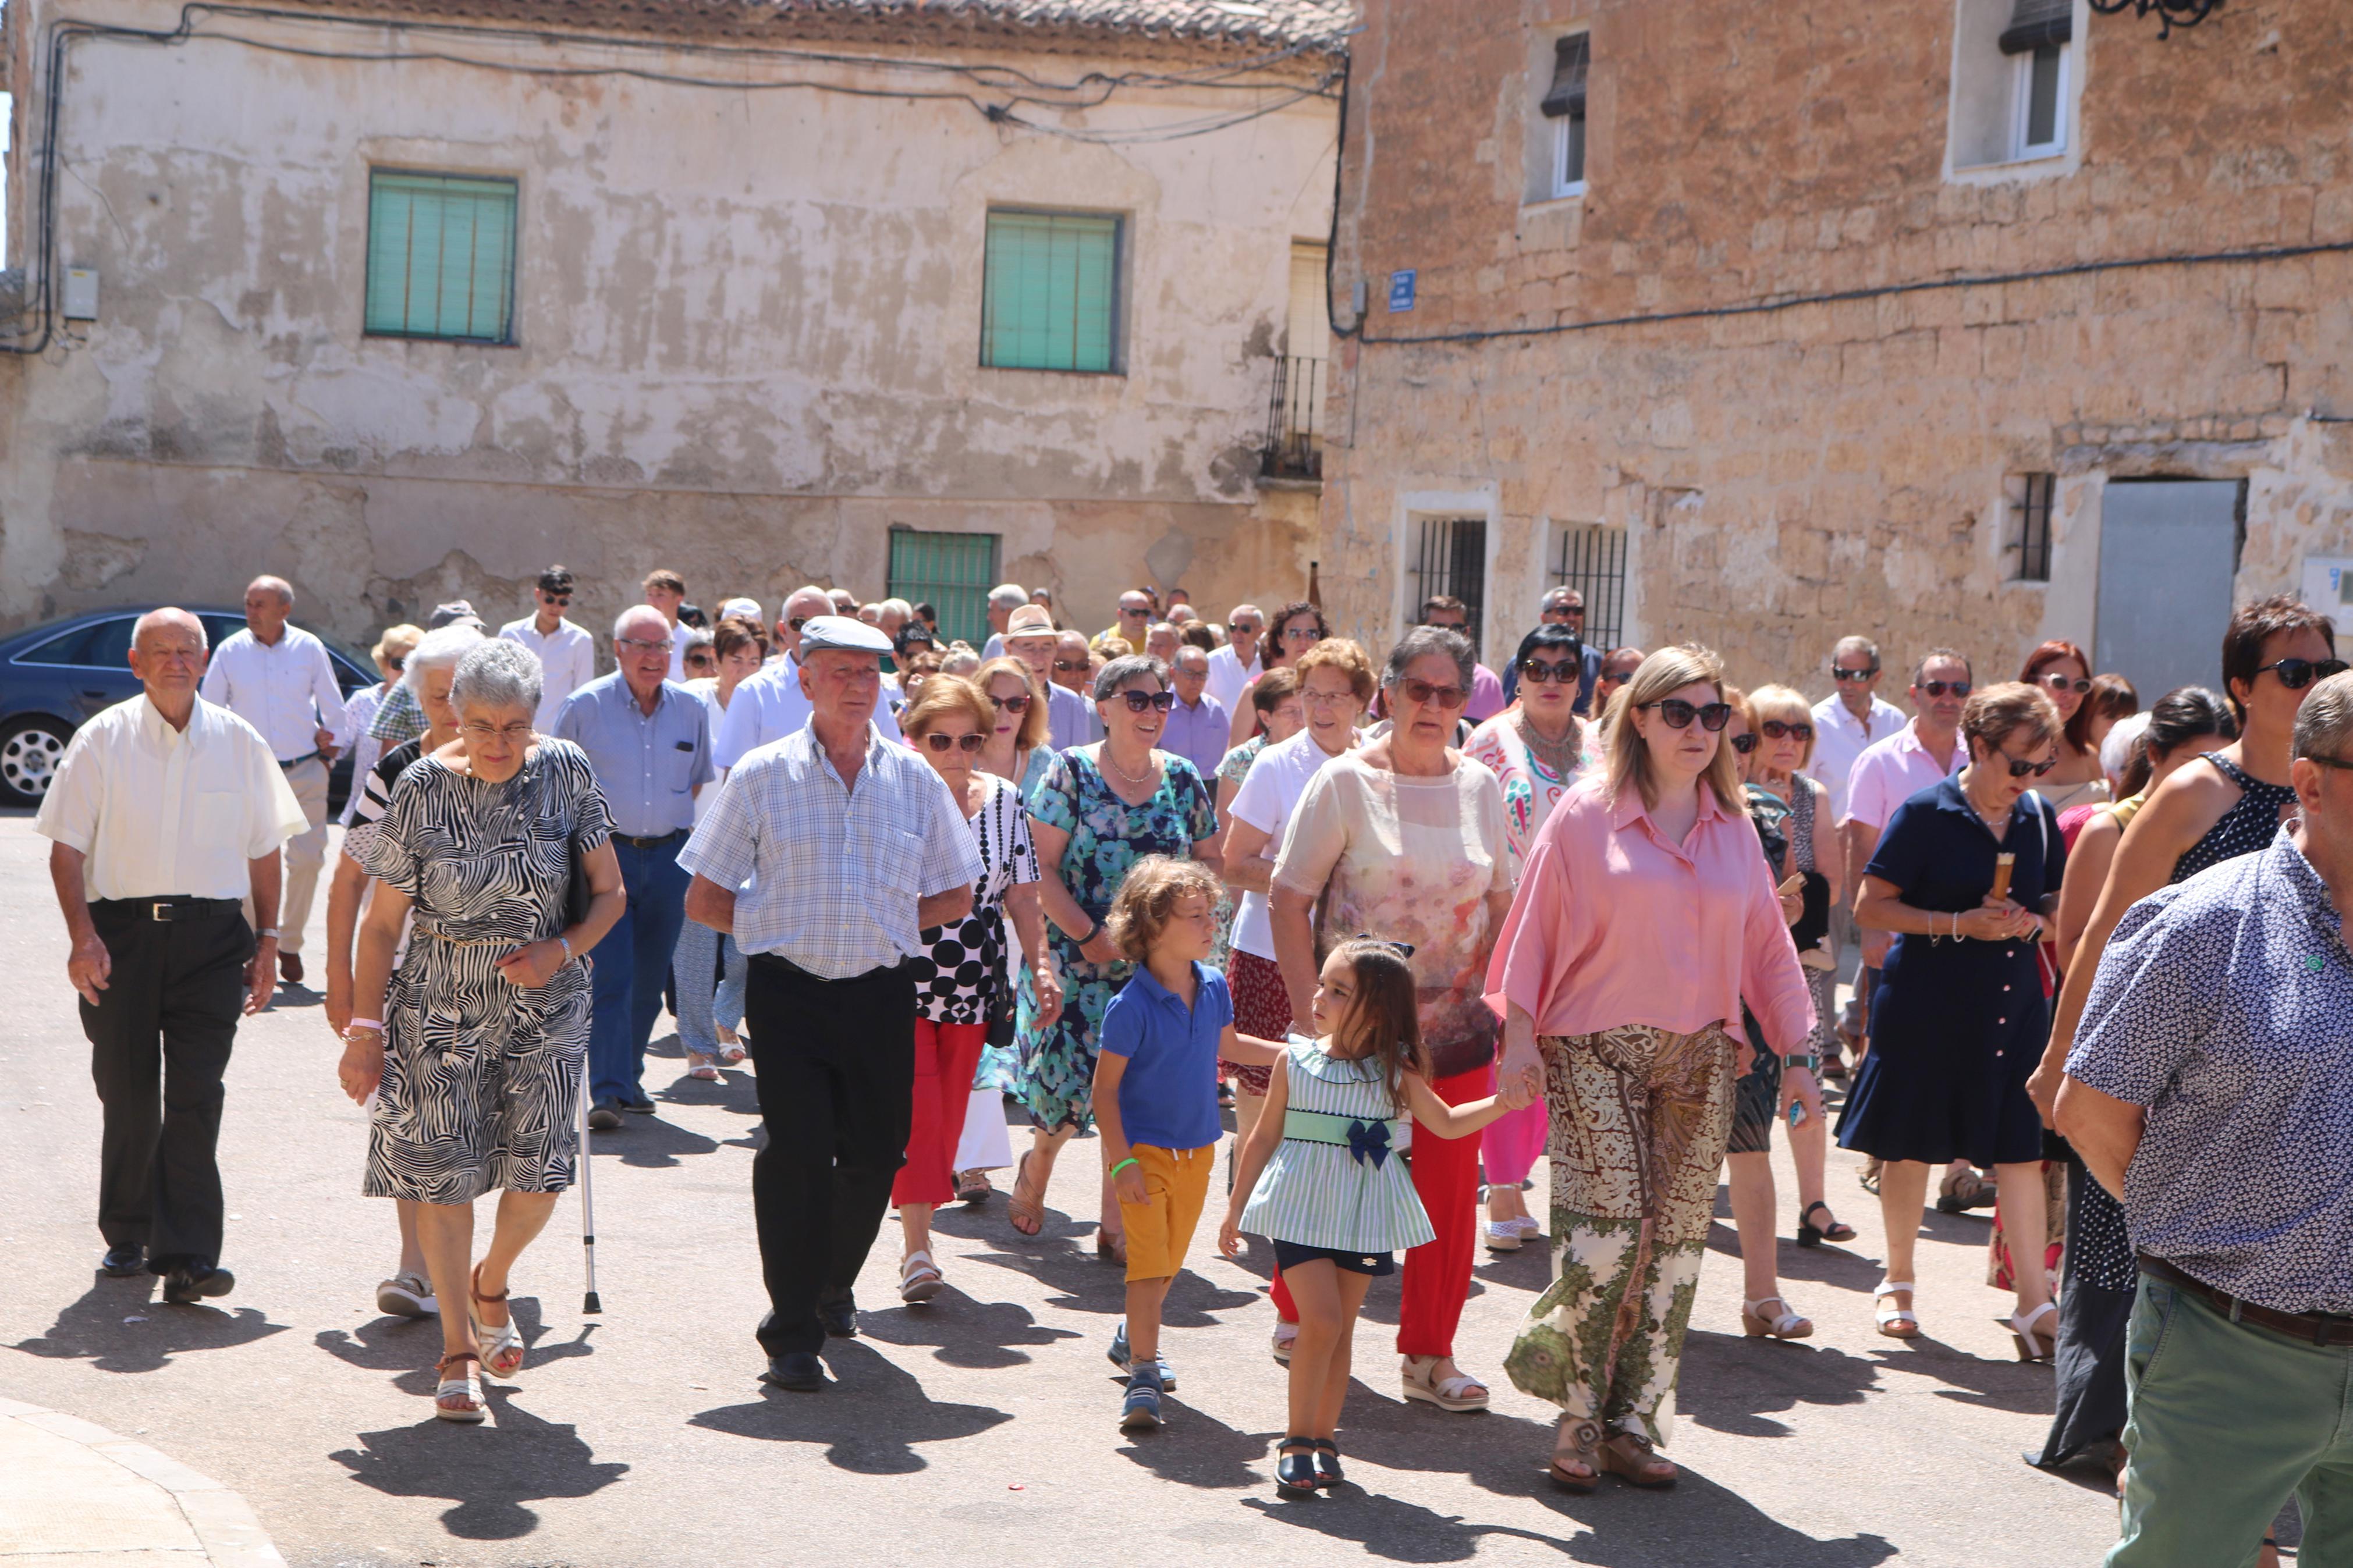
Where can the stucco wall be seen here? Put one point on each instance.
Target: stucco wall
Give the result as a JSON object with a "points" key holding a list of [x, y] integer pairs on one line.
{"points": [[747, 337], [1789, 476]]}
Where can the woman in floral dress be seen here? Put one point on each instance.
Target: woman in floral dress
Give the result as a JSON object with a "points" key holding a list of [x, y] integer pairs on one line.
{"points": [[1099, 809]]}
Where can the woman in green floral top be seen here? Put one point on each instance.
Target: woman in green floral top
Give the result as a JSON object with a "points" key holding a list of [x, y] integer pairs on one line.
{"points": [[1099, 809]]}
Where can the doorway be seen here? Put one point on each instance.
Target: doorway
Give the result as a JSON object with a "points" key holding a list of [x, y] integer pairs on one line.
{"points": [[2169, 556]]}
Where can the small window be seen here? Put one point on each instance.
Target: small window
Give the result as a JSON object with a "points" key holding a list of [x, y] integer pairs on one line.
{"points": [[1453, 559], [1564, 107], [1051, 293], [440, 256], [2036, 42], [2029, 505], [953, 573], [1592, 560]]}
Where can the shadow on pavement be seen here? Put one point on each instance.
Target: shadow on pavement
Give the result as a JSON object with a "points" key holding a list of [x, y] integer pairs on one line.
{"points": [[961, 1332], [409, 1347], [1731, 1382], [869, 1418], [490, 1473], [650, 1143], [93, 1328], [1195, 1449]]}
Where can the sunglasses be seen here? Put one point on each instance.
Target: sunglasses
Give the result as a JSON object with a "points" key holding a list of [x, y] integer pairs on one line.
{"points": [[1238, 629], [1854, 675], [1066, 665], [1713, 717], [2058, 682], [1743, 744], [396, 665], [1782, 729], [698, 661], [1938, 688], [1420, 691], [1620, 679], [558, 600], [2295, 674], [1537, 672], [939, 744], [797, 622], [1137, 701], [1012, 704], [2018, 769]]}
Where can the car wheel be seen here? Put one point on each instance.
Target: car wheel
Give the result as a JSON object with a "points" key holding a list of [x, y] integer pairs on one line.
{"points": [[30, 750]]}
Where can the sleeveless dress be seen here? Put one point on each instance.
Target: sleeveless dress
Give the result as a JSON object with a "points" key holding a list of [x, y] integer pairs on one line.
{"points": [[1328, 1195]]}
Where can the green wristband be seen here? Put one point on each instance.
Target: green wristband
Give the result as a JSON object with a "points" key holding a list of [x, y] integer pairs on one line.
{"points": [[1124, 1164]]}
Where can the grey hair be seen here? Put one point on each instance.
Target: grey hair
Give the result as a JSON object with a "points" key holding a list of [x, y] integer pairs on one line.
{"points": [[2324, 723], [1128, 667], [441, 648], [1192, 649], [623, 619], [696, 637], [1421, 642], [1008, 596], [1560, 593], [497, 673], [1870, 648]]}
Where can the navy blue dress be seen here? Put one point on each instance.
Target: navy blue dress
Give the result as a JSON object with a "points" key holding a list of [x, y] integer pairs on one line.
{"points": [[1957, 1027]]}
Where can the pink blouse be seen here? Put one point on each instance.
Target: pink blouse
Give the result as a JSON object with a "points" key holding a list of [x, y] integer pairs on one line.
{"points": [[1616, 924]]}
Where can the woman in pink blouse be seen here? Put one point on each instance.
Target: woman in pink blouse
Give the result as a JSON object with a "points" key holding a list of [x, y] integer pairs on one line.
{"points": [[1645, 918]]}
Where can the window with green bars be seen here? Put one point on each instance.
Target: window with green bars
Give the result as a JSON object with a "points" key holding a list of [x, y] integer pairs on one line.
{"points": [[440, 256], [1050, 297], [953, 573]]}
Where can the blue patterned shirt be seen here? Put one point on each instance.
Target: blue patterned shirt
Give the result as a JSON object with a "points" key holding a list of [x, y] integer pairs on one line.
{"points": [[2225, 1004]]}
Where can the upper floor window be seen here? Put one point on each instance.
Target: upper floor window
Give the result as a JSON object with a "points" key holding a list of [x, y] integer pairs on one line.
{"points": [[2014, 81], [1050, 291], [440, 256], [2036, 41], [1564, 110], [2029, 497]]}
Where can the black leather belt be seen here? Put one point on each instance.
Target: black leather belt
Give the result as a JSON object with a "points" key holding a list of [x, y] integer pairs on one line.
{"points": [[635, 842], [298, 761], [168, 908], [2313, 1328]]}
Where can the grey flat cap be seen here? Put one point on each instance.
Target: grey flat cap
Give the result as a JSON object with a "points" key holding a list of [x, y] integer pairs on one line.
{"points": [[841, 633]]}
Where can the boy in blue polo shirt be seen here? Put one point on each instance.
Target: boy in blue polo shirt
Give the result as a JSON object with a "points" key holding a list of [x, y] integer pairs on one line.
{"points": [[1156, 1097]]}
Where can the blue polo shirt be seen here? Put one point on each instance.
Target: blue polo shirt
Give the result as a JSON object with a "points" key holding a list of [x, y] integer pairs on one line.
{"points": [[1168, 1098], [647, 763]]}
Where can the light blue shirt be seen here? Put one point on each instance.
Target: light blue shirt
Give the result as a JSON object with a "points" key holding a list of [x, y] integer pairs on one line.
{"points": [[1198, 734], [648, 764], [1071, 719], [769, 706]]}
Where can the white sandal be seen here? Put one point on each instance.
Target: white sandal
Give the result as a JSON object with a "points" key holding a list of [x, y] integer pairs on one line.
{"points": [[1756, 1323], [470, 1386], [919, 1281], [1502, 1235], [1895, 1323], [2032, 1345], [407, 1296], [1284, 1342], [1447, 1394], [502, 1346]]}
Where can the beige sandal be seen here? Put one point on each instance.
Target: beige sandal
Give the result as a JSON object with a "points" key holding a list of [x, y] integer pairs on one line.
{"points": [[1446, 1393], [1584, 1449], [1785, 1324], [469, 1388], [1896, 1323], [502, 1347], [919, 1277]]}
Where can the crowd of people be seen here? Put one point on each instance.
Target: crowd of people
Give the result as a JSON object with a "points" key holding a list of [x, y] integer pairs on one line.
{"points": [[1418, 922]]}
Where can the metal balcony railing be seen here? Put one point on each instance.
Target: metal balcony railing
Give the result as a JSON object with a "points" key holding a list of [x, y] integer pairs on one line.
{"points": [[1295, 420]]}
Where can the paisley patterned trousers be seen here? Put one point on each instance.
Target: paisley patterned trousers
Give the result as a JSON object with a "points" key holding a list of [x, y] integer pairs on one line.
{"points": [[1640, 1117]]}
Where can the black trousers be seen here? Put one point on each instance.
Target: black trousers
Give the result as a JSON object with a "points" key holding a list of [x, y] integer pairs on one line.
{"points": [[159, 1039], [836, 1068]]}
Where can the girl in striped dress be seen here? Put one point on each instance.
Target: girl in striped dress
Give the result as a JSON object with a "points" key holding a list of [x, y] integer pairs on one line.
{"points": [[1333, 1198]]}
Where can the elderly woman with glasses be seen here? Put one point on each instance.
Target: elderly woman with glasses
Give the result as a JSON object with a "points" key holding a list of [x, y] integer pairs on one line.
{"points": [[1646, 917], [1296, 628], [1101, 808], [475, 1047], [1964, 874], [1405, 839]]}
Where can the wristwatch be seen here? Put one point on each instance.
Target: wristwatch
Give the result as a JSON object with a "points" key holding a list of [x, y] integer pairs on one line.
{"points": [[270, 932]]}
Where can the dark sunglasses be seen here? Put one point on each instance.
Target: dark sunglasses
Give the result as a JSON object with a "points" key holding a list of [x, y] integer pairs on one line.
{"points": [[1012, 704], [1712, 716], [2058, 682], [1743, 744], [1838, 674], [2018, 769], [939, 744], [1620, 679], [1938, 688], [1781, 729], [1137, 701], [797, 622], [1068, 664], [1537, 672], [559, 600], [2295, 674], [1402, 949], [1240, 630], [1421, 691], [396, 665], [698, 658]]}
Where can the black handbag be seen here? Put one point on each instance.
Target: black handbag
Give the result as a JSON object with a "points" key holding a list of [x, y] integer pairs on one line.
{"points": [[577, 893]]}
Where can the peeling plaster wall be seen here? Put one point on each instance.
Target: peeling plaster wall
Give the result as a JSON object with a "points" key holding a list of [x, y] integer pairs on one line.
{"points": [[747, 331]]}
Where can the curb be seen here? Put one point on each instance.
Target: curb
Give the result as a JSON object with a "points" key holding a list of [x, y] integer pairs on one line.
{"points": [[224, 1527]]}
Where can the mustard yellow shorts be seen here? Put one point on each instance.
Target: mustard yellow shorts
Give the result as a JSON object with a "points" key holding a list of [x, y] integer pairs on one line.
{"points": [[1160, 1228]]}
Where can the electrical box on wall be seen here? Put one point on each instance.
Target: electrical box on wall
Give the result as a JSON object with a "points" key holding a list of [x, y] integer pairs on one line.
{"points": [[2328, 588], [81, 294]]}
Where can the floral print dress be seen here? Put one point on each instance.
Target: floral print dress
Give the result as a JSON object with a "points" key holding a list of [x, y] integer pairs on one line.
{"points": [[1055, 1079]]}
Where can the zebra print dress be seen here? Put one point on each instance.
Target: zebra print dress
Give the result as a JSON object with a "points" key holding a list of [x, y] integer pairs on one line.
{"points": [[481, 1076]]}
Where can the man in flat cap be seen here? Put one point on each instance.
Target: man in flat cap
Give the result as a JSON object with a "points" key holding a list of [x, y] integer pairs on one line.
{"points": [[851, 845]]}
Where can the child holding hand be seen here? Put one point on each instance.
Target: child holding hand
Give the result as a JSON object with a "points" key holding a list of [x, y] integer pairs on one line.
{"points": [[1156, 1098], [1334, 1198]]}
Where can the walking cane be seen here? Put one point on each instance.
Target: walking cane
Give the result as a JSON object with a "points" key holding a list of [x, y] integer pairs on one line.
{"points": [[589, 1305]]}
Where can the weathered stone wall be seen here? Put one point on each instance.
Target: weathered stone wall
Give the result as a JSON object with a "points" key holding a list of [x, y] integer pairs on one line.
{"points": [[747, 323], [1788, 476]]}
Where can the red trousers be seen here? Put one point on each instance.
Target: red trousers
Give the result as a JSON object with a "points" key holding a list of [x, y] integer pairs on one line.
{"points": [[946, 1056], [1437, 1273]]}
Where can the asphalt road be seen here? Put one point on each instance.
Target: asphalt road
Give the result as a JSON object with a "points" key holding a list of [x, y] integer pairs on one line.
{"points": [[978, 1428]]}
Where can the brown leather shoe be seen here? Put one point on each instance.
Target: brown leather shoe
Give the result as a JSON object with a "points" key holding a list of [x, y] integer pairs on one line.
{"points": [[289, 968]]}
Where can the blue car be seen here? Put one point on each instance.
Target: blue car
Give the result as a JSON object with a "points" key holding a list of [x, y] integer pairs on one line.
{"points": [[55, 675]]}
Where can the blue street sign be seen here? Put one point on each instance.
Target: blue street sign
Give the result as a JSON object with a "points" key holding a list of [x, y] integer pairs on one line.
{"points": [[1402, 290]]}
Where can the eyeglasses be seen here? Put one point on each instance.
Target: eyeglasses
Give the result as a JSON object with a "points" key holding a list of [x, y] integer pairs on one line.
{"points": [[1537, 671], [517, 732], [2018, 769], [797, 622], [1012, 704], [2328, 762], [1744, 743], [396, 665], [636, 645], [1678, 714], [1420, 691], [1620, 679], [558, 600], [698, 661], [1240, 629], [1938, 688], [1066, 665], [2058, 682], [939, 744], [2295, 674], [1853, 675], [1137, 701], [1782, 729], [1328, 698], [1302, 634]]}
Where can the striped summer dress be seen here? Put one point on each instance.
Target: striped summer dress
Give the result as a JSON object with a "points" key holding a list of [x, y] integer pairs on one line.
{"points": [[1321, 1194]]}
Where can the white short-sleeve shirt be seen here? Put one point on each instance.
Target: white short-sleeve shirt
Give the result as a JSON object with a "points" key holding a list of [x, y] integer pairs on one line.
{"points": [[1265, 800]]}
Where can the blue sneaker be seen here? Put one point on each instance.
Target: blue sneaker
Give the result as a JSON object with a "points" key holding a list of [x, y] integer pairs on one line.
{"points": [[1120, 1358], [1140, 1410]]}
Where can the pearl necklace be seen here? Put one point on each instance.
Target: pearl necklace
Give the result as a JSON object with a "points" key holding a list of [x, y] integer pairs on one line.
{"points": [[1133, 781]]}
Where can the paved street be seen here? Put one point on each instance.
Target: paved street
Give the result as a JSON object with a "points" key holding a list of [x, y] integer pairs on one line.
{"points": [[979, 1428]]}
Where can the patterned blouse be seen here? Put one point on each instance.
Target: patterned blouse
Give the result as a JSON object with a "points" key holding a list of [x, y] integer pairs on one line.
{"points": [[1316, 1194], [1530, 789], [1107, 833], [962, 971]]}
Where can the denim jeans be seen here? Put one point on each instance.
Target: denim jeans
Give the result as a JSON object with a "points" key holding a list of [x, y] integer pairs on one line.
{"points": [[629, 966], [703, 1000]]}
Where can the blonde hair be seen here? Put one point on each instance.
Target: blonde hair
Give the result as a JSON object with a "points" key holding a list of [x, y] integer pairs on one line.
{"points": [[943, 695], [1146, 900], [1344, 656], [1787, 704], [1030, 733], [398, 640], [1659, 677]]}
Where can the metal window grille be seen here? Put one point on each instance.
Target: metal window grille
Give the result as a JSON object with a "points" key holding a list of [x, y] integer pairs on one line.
{"points": [[952, 573], [1453, 559], [1295, 420], [1592, 561], [440, 256], [1050, 292], [2033, 509]]}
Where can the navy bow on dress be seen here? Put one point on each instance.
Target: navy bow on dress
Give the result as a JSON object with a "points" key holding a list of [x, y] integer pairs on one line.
{"points": [[1368, 1141]]}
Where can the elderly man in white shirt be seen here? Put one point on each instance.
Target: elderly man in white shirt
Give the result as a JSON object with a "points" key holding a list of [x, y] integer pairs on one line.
{"points": [[771, 705], [278, 679], [1003, 600], [1236, 665], [164, 818], [567, 654]]}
